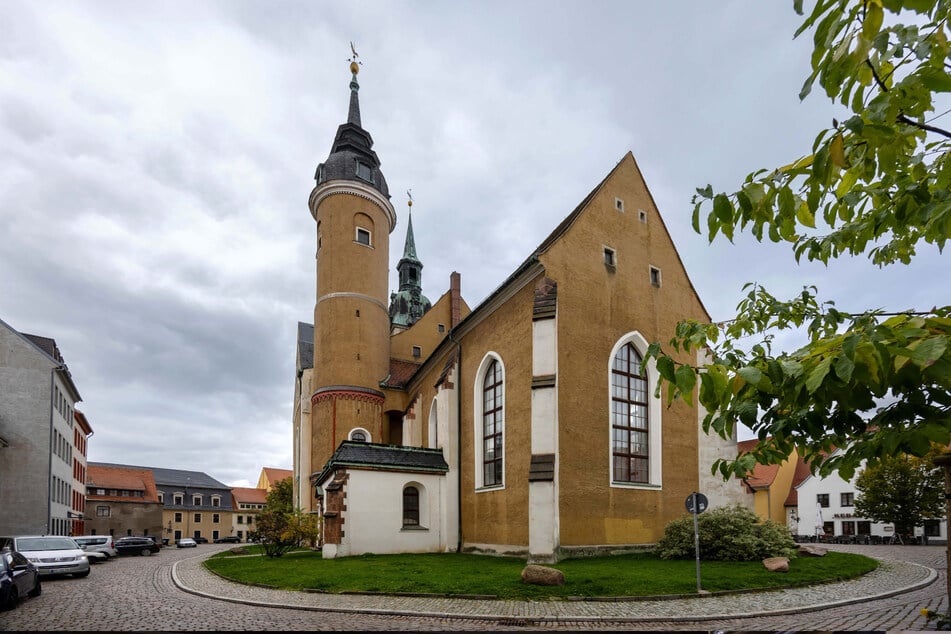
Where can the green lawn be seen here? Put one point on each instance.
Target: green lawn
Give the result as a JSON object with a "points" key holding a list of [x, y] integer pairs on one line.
{"points": [[640, 574]]}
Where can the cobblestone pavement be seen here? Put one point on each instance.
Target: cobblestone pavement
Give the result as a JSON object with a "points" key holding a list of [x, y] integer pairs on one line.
{"points": [[172, 592]]}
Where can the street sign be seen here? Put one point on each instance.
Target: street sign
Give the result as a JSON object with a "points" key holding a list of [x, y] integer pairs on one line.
{"points": [[696, 503]]}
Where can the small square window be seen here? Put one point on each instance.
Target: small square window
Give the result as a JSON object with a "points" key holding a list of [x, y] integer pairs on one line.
{"points": [[417, 351], [441, 328], [610, 259], [619, 204], [363, 236], [642, 215], [655, 276]]}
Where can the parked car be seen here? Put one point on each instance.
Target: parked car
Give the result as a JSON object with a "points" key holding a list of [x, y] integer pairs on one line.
{"points": [[186, 542], [102, 547], [201, 540], [144, 546], [51, 554], [230, 539], [18, 578]]}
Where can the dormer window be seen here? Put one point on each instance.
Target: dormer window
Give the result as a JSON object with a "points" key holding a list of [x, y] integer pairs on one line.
{"points": [[364, 172]]}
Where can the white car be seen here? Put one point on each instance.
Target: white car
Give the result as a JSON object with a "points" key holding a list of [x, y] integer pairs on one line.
{"points": [[51, 554], [187, 542]]}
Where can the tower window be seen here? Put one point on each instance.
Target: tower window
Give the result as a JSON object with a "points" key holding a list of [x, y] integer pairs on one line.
{"points": [[363, 236], [417, 352], [441, 328], [642, 215], [619, 204], [364, 172], [655, 276], [610, 258]]}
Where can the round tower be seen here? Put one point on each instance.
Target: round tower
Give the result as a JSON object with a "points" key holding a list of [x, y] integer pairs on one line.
{"points": [[351, 205]]}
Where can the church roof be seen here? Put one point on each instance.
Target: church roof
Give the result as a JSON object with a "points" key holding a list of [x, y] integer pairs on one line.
{"points": [[400, 372], [384, 457]]}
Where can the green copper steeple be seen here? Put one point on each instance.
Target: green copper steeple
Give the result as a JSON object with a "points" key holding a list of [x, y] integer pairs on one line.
{"points": [[408, 304]]}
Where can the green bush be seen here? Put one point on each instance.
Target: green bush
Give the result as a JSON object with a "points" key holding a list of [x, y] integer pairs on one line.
{"points": [[727, 533]]}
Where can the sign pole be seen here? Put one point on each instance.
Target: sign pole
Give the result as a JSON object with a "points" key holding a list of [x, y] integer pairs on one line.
{"points": [[696, 539]]}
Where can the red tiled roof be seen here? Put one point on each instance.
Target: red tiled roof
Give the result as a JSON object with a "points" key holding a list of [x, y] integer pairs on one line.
{"points": [[121, 478], [762, 475], [248, 495], [400, 373], [276, 475]]}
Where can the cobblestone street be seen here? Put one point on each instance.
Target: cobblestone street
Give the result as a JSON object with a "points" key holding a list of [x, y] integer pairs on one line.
{"points": [[144, 594]]}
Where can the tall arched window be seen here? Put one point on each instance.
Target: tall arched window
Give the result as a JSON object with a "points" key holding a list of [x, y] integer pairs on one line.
{"points": [[410, 506], [492, 424], [630, 425]]}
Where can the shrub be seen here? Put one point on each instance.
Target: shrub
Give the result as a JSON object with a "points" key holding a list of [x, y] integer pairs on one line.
{"points": [[727, 533]]}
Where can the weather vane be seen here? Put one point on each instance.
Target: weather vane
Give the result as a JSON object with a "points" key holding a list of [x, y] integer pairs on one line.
{"points": [[409, 203], [354, 68]]}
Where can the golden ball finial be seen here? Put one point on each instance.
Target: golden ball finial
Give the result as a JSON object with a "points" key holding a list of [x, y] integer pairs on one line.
{"points": [[354, 68]]}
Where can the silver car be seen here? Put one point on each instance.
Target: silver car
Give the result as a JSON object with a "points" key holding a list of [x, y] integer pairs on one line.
{"points": [[101, 547], [51, 554]]}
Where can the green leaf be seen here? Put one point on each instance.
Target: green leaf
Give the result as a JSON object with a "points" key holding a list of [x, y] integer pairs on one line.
{"points": [[665, 366], [926, 352], [805, 216], [817, 375], [686, 378], [751, 374], [844, 367]]}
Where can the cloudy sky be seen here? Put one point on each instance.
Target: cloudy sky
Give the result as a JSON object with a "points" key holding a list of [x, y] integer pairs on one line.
{"points": [[156, 161]]}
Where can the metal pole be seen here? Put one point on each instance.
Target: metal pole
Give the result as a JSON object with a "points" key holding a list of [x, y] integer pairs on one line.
{"points": [[696, 538]]}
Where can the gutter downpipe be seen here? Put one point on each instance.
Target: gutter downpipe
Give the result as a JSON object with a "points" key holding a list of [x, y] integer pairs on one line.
{"points": [[458, 439]]}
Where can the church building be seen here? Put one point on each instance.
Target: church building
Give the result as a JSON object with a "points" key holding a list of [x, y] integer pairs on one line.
{"points": [[523, 426]]}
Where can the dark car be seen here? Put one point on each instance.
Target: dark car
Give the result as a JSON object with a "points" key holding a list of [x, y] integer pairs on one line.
{"points": [[200, 540], [230, 539], [136, 546], [18, 578]]}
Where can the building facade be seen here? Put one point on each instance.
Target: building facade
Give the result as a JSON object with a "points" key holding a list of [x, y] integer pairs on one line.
{"points": [[37, 428], [524, 426], [122, 501], [247, 503]]}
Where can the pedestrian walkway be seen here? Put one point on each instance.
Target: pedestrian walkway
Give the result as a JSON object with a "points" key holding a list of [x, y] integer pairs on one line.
{"points": [[891, 578]]}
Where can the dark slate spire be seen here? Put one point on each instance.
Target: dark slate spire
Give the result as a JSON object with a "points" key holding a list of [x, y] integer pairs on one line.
{"points": [[409, 304], [351, 156]]}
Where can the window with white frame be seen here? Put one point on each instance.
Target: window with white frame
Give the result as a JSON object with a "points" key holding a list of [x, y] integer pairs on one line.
{"points": [[410, 506], [490, 424], [359, 435], [635, 416], [363, 236]]}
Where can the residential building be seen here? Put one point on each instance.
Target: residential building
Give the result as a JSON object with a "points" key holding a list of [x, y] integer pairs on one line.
{"points": [[526, 425], [247, 503], [82, 431], [770, 485], [271, 476], [37, 405], [193, 503], [826, 507], [121, 501]]}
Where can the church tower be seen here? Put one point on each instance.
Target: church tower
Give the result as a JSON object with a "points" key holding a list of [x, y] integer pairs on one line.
{"points": [[409, 304], [351, 205]]}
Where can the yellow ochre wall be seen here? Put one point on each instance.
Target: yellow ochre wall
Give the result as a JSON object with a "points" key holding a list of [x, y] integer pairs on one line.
{"points": [[596, 308]]}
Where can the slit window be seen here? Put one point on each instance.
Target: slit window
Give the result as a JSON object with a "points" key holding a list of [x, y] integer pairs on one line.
{"points": [[655, 276], [610, 257]]}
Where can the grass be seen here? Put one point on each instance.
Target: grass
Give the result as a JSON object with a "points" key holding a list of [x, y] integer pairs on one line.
{"points": [[641, 574]]}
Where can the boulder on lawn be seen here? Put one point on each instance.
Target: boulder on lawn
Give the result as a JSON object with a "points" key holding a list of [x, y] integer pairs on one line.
{"points": [[808, 550], [542, 576], [238, 550], [777, 564]]}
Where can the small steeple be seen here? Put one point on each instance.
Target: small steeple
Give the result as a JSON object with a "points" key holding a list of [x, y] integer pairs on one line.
{"points": [[409, 304]]}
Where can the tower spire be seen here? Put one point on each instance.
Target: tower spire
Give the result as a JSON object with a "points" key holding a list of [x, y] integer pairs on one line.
{"points": [[408, 304], [354, 115]]}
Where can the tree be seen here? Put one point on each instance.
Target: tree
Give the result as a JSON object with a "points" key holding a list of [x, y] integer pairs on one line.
{"points": [[901, 490], [274, 522], [876, 183]]}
